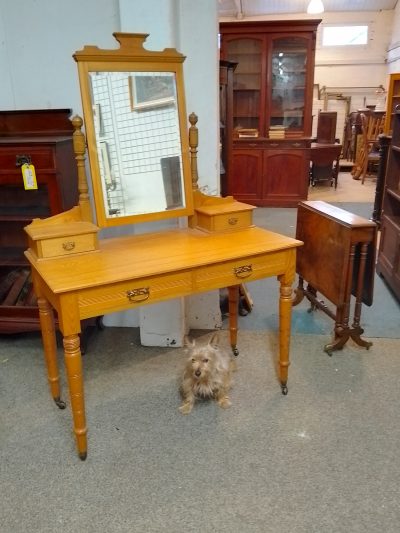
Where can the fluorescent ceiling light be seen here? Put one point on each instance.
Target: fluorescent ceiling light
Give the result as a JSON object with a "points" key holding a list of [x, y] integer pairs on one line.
{"points": [[315, 6]]}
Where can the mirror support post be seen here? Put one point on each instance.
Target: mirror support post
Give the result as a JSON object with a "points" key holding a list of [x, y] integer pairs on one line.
{"points": [[193, 143], [80, 152]]}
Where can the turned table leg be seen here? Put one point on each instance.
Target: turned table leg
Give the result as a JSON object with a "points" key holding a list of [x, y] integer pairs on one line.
{"points": [[233, 300], [46, 317], [73, 365], [285, 313]]}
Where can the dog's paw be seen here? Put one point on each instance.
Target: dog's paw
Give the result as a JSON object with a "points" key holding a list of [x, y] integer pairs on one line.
{"points": [[224, 402], [185, 408]]}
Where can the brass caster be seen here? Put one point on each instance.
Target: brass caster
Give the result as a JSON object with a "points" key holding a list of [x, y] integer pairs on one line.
{"points": [[235, 351], [82, 455], [59, 403], [284, 390]]}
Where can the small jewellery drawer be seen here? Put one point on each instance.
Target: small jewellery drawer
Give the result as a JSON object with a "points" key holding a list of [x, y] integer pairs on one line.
{"points": [[236, 272], [225, 221], [66, 245], [11, 157], [224, 216], [134, 293]]}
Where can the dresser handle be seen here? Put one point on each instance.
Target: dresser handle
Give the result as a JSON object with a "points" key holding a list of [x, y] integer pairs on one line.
{"points": [[296, 145], [274, 145], [232, 221], [138, 295], [243, 271], [68, 246]]}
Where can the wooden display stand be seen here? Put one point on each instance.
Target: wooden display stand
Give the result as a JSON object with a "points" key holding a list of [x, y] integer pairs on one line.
{"points": [[337, 260]]}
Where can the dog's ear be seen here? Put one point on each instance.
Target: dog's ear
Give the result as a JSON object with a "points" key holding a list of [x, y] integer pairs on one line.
{"points": [[214, 339], [188, 342]]}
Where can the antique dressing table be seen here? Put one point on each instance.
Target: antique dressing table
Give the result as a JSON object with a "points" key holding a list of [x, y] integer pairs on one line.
{"points": [[81, 276]]}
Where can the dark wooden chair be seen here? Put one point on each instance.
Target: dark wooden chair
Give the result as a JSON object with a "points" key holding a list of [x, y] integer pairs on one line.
{"points": [[326, 127], [324, 163]]}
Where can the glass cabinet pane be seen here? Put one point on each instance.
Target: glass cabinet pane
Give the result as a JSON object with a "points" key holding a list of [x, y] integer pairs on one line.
{"points": [[288, 87], [246, 52]]}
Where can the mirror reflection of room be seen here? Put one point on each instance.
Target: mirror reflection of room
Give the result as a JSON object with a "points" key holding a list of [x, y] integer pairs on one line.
{"points": [[138, 143]]}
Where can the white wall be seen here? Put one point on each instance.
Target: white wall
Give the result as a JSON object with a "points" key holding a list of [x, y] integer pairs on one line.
{"points": [[36, 46], [394, 45]]}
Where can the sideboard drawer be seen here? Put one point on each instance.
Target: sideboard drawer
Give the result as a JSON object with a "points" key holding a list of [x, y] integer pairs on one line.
{"points": [[41, 158], [236, 272], [101, 300]]}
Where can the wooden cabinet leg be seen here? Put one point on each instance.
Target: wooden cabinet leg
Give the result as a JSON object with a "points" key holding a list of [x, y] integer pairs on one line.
{"points": [[233, 301], [285, 314], [46, 317], [73, 365]]}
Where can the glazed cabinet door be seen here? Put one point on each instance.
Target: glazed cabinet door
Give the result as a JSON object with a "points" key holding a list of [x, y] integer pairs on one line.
{"points": [[246, 176], [248, 52], [289, 96]]}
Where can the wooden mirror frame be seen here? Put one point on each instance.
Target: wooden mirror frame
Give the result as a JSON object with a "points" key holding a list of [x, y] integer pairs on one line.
{"points": [[132, 57]]}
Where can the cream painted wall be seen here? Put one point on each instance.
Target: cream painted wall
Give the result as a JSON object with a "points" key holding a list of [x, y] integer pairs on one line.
{"points": [[394, 45]]}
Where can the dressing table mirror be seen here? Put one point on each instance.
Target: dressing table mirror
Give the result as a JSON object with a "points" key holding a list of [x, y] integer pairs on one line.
{"points": [[143, 164], [135, 122]]}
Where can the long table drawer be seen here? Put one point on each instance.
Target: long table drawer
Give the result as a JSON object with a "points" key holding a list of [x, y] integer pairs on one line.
{"points": [[236, 272], [118, 296]]}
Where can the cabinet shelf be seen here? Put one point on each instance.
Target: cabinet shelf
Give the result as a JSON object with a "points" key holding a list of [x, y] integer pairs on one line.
{"points": [[12, 256], [394, 193]]}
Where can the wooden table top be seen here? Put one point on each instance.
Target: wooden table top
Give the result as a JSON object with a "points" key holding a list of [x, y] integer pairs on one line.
{"points": [[149, 254]]}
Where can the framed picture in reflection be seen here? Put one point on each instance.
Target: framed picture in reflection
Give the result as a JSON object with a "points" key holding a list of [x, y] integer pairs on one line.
{"points": [[147, 91]]}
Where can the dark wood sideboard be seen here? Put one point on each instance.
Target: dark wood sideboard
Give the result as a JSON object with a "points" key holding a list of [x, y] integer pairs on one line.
{"points": [[43, 138]]}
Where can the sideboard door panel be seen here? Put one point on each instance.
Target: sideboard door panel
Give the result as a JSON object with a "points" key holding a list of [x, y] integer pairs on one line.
{"points": [[246, 182], [285, 176]]}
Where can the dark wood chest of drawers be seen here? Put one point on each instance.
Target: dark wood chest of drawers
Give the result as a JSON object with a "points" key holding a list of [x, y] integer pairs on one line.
{"points": [[44, 139]]}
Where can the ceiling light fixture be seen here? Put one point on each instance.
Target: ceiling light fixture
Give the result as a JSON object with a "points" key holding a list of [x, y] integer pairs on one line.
{"points": [[315, 6]]}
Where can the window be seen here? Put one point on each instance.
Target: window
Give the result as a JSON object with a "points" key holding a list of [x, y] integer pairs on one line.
{"points": [[344, 35]]}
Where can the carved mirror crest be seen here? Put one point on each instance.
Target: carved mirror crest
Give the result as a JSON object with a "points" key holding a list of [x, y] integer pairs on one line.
{"points": [[135, 121]]}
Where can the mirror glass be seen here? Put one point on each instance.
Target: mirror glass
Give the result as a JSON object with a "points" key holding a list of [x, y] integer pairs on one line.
{"points": [[136, 130], [137, 134]]}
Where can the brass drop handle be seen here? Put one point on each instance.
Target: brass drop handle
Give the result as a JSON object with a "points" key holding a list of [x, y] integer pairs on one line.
{"points": [[296, 145], [243, 271], [232, 221], [68, 246], [138, 295]]}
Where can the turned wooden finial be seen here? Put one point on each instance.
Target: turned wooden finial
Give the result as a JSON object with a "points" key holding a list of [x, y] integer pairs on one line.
{"points": [[79, 143], [193, 144]]}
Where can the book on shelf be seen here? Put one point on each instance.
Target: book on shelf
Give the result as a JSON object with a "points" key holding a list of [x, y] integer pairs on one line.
{"points": [[247, 132]]}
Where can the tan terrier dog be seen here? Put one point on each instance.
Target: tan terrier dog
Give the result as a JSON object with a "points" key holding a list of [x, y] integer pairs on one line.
{"points": [[207, 374]]}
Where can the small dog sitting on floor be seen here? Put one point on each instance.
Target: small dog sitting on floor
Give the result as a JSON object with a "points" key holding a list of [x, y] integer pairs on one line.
{"points": [[207, 374]]}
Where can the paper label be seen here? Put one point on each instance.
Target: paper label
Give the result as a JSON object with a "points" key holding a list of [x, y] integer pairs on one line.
{"points": [[29, 177]]}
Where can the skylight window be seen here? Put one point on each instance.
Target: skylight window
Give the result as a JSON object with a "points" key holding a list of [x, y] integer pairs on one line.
{"points": [[344, 35]]}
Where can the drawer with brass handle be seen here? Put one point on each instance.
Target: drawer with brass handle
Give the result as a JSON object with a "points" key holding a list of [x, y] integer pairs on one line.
{"points": [[107, 299], [235, 272], [227, 217], [62, 239]]}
